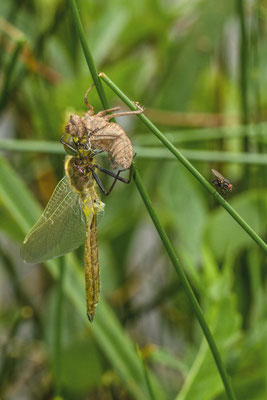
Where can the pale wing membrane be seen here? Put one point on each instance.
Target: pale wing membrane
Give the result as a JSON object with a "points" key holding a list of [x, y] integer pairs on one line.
{"points": [[100, 216], [217, 174], [61, 228]]}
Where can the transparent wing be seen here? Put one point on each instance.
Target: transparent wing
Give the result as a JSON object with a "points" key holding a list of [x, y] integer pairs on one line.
{"points": [[61, 228], [217, 174], [100, 216]]}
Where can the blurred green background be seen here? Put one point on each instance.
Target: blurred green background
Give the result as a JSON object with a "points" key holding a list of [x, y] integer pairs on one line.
{"points": [[199, 69]]}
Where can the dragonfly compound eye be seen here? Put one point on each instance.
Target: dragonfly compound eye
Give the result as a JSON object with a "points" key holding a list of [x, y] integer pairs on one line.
{"points": [[69, 144]]}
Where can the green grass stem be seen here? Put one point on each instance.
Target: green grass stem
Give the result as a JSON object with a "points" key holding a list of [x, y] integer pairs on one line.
{"points": [[243, 60], [58, 327], [187, 164], [39, 146], [146, 374], [147, 152], [186, 285], [7, 366], [88, 56], [253, 131], [9, 71]]}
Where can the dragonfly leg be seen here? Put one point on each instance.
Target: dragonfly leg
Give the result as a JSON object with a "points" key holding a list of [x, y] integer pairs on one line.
{"points": [[110, 173], [100, 184], [113, 183], [96, 152], [104, 112], [86, 99], [121, 114]]}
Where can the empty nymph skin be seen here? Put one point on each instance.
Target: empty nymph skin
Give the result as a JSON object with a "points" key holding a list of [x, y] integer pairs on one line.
{"points": [[96, 131]]}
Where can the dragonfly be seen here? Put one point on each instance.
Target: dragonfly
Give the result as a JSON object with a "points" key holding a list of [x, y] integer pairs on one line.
{"points": [[221, 181], [70, 217]]}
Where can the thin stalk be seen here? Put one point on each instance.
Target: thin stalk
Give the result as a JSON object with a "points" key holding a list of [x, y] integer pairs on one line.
{"points": [[186, 285], [7, 366], [187, 164], [243, 81], [58, 328], [160, 153], [23, 299], [146, 373], [88, 56], [243, 63], [154, 153], [40, 146], [9, 71]]}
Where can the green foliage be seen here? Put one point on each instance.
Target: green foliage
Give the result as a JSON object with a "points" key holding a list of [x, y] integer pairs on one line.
{"points": [[170, 56], [224, 235]]}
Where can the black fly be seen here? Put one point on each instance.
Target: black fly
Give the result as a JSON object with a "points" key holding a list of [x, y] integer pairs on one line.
{"points": [[221, 181]]}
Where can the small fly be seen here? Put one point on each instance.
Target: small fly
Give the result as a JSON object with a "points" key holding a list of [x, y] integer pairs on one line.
{"points": [[221, 182]]}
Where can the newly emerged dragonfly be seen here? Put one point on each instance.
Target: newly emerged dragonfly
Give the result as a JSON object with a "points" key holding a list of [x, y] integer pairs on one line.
{"points": [[221, 181], [70, 218]]}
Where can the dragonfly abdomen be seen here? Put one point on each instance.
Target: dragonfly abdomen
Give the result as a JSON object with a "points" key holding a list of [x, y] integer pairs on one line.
{"points": [[91, 268]]}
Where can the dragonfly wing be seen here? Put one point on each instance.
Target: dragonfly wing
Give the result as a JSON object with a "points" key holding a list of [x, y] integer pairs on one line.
{"points": [[61, 228]]}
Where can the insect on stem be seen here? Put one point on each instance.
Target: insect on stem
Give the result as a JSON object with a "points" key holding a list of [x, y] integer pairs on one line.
{"points": [[221, 182], [70, 217]]}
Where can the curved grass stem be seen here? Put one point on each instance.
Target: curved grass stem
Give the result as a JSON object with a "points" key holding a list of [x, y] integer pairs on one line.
{"points": [[187, 164], [186, 285]]}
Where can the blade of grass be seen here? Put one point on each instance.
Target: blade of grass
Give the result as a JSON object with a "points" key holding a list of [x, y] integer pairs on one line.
{"points": [[162, 356], [243, 60], [89, 59], [203, 156], [107, 331], [207, 134], [21, 295], [186, 285], [8, 365], [40, 146], [142, 152], [9, 71], [187, 164], [58, 327], [146, 375]]}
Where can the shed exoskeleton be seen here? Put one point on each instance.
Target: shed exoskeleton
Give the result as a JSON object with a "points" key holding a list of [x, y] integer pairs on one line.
{"points": [[96, 131]]}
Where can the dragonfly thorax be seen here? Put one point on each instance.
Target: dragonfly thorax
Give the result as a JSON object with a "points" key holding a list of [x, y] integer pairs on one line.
{"points": [[79, 173]]}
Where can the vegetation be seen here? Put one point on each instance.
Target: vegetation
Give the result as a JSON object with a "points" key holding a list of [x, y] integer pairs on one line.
{"points": [[198, 69]]}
